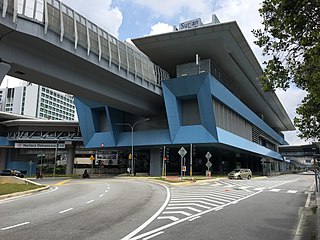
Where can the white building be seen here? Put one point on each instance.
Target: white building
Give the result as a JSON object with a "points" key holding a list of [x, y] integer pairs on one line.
{"points": [[37, 101]]}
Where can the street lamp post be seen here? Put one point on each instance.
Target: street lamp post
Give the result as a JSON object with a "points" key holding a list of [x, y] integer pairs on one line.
{"points": [[132, 129], [55, 158]]}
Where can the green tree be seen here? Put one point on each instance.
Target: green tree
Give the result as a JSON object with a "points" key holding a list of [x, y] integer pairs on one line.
{"points": [[291, 39]]}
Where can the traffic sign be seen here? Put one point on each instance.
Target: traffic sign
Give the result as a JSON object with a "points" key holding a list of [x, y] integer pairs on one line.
{"points": [[208, 164], [184, 168], [91, 157], [208, 155], [182, 152]]}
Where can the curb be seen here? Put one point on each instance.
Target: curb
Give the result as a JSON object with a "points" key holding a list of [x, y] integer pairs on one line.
{"points": [[17, 194]]}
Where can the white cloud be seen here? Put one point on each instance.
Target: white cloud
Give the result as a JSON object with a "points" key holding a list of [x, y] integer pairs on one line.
{"points": [[169, 8], [99, 12], [160, 28], [290, 99]]}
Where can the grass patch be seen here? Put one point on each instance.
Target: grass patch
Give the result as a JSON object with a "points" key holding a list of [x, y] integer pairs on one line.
{"points": [[8, 188]]}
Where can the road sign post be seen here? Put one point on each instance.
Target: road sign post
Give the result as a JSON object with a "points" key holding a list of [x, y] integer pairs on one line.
{"points": [[30, 164], [163, 161], [92, 160], [182, 152], [208, 164]]}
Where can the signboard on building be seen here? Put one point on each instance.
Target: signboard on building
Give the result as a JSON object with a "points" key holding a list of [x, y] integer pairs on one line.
{"points": [[191, 24], [39, 145], [108, 157]]}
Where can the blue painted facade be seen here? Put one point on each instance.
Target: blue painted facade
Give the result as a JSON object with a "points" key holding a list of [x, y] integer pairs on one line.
{"points": [[203, 88]]}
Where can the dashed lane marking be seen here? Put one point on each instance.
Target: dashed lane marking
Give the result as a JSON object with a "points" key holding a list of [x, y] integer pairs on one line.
{"points": [[66, 210], [13, 226], [292, 191], [275, 190]]}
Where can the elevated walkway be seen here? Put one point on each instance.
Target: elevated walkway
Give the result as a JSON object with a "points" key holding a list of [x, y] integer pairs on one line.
{"points": [[48, 43]]}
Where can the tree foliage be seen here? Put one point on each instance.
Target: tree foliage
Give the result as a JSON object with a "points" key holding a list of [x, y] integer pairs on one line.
{"points": [[291, 37]]}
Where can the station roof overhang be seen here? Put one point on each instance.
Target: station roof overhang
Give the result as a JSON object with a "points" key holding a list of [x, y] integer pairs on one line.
{"points": [[225, 45]]}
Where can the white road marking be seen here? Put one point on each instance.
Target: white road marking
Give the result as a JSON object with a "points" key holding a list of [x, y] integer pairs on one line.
{"points": [[275, 190], [13, 226], [190, 220], [179, 212], [292, 191], [141, 236], [172, 218], [309, 196], [152, 236], [189, 208], [151, 219], [67, 210], [216, 184], [106, 190], [101, 195], [189, 201], [282, 183], [259, 189], [188, 204], [90, 201]]}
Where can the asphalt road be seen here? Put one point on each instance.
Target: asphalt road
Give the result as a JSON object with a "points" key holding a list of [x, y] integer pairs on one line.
{"points": [[233, 209], [267, 208], [81, 209]]}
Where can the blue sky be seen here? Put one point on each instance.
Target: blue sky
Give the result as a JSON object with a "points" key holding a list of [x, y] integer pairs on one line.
{"points": [[127, 19]]}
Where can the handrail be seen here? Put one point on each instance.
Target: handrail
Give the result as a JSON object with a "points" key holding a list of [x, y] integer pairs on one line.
{"points": [[70, 25]]}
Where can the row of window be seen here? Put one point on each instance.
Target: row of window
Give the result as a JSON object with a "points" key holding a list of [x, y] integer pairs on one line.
{"points": [[55, 102], [56, 111]]}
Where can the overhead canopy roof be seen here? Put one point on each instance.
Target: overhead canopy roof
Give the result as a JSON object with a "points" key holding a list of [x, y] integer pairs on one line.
{"points": [[224, 44]]}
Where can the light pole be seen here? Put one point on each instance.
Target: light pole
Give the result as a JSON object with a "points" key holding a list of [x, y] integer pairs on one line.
{"points": [[132, 129], [55, 158]]}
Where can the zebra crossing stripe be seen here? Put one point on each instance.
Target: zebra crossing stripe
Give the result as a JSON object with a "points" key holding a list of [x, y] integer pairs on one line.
{"points": [[187, 201], [199, 198], [172, 218], [179, 212], [188, 204], [189, 208]]}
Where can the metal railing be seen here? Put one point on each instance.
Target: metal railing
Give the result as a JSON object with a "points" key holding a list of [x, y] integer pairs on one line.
{"points": [[70, 25]]}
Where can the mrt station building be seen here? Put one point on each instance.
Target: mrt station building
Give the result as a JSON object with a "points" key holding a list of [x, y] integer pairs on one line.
{"points": [[211, 101]]}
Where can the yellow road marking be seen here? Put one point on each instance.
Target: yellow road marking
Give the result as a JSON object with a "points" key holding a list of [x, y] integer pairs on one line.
{"points": [[62, 182]]}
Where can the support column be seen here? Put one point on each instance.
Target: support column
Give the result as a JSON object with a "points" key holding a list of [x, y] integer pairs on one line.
{"points": [[70, 158], [4, 69], [3, 158], [155, 162]]}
